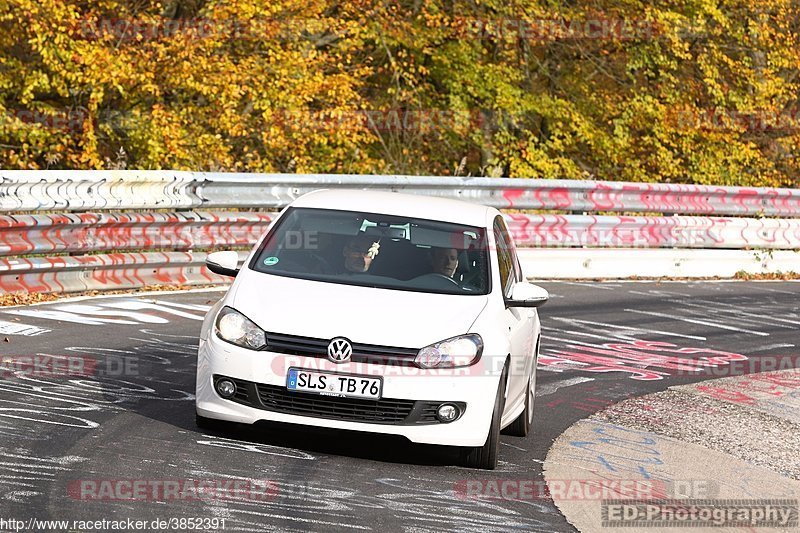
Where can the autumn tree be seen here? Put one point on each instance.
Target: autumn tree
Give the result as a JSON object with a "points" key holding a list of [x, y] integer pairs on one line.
{"points": [[686, 91]]}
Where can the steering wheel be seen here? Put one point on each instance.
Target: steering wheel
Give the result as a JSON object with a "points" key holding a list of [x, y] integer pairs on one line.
{"points": [[321, 262], [448, 278], [436, 275]]}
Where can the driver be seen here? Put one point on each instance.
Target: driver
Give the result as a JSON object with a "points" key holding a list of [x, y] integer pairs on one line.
{"points": [[444, 261], [359, 252]]}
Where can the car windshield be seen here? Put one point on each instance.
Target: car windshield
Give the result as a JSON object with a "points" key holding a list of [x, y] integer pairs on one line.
{"points": [[374, 250]]}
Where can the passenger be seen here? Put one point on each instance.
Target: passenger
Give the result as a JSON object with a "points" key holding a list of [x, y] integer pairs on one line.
{"points": [[444, 261], [359, 253]]}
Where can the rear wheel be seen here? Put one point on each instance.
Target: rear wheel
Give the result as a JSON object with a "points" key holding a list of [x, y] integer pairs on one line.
{"points": [[485, 457]]}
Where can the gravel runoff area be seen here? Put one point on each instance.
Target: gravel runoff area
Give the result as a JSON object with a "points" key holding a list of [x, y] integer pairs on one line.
{"points": [[755, 417]]}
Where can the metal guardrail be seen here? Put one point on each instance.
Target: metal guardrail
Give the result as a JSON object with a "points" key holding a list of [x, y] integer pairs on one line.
{"points": [[277, 190], [101, 232], [178, 230], [105, 272], [86, 190], [654, 232], [83, 233], [127, 190]]}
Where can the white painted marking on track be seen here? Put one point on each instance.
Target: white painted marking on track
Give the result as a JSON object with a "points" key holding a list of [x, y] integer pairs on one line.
{"points": [[155, 333], [772, 347], [767, 289], [660, 293], [550, 388], [15, 328], [699, 322], [134, 305], [123, 311], [190, 307], [642, 330], [19, 496], [584, 285], [256, 447], [705, 306], [133, 294], [65, 316]]}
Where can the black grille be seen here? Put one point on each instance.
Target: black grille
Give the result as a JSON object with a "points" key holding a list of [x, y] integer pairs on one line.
{"points": [[295, 345], [362, 353], [427, 413], [385, 411]]}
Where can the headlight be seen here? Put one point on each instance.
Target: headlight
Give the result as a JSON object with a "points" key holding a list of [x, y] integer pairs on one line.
{"points": [[234, 327], [464, 350]]}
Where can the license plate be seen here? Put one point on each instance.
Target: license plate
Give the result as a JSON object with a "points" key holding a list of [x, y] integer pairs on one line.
{"points": [[339, 385]]}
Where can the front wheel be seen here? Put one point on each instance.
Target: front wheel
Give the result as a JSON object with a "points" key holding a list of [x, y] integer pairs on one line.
{"points": [[522, 425], [485, 457]]}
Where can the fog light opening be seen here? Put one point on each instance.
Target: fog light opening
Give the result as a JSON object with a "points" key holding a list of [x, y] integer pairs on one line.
{"points": [[448, 412], [226, 388]]}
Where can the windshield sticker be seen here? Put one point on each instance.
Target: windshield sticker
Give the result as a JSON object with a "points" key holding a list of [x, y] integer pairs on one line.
{"points": [[269, 261]]}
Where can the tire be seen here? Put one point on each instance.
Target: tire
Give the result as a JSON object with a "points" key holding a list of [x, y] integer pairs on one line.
{"points": [[522, 425], [485, 457]]}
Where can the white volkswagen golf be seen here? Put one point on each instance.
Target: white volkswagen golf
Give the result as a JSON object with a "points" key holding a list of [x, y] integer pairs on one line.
{"points": [[379, 312]]}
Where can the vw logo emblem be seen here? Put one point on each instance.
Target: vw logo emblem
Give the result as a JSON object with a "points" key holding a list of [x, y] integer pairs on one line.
{"points": [[340, 350]]}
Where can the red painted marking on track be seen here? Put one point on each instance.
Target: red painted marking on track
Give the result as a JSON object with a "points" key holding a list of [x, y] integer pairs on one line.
{"points": [[790, 381], [636, 358], [725, 394]]}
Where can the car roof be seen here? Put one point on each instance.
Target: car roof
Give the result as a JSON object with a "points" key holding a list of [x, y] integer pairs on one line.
{"points": [[394, 203]]}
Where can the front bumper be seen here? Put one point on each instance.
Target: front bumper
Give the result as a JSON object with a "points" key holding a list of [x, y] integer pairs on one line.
{"points": [[263, 376]]}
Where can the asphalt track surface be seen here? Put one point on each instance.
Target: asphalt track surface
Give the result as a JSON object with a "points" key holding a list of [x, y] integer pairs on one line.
{"points": [[133, 417]]}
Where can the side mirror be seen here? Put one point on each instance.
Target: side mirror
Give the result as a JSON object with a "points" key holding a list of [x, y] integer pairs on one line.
{"points": [[527, 295], [223, 263]]}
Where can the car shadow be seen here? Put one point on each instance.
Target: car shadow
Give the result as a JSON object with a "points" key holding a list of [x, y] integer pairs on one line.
{"points": [[344, 443]]}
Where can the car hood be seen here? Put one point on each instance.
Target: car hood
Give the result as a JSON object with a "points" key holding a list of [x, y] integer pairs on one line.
{"points": [[362, 314]]}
